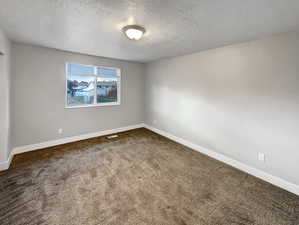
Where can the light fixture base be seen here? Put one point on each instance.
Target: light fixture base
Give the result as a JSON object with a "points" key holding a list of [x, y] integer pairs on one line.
{"points": [[134, 32]]}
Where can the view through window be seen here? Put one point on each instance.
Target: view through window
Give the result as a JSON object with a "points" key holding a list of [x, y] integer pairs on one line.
{"points": [[92, 85]]}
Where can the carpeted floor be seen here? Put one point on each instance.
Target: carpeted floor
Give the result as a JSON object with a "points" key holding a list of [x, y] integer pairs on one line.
{"points": [[139, 178]]}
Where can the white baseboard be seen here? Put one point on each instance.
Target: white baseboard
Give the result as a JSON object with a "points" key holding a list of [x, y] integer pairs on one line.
{"points": [[5, 165], [232, 162], [27, 148]]}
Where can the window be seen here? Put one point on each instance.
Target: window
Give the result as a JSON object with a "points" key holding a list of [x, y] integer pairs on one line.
{"points": [[91, 85]]}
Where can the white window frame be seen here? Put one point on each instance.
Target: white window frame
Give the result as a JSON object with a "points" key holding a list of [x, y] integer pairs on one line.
{"points": [[95, 104]]}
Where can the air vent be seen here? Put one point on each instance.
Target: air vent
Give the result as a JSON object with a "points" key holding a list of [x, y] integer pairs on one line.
{"points": [[112, 136]]}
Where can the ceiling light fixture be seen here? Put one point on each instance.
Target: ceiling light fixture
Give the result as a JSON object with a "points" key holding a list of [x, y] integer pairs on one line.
{"points": [[134, 32]]}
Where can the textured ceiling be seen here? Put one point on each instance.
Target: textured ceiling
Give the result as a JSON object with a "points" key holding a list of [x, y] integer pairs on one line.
{"points": [[174, 27]]}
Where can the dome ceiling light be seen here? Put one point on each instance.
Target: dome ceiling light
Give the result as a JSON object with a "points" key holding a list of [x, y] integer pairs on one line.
{"points": [[133, 32]]}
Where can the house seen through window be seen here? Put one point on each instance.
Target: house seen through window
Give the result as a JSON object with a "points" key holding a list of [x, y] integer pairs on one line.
{"points": [[92, 85]]}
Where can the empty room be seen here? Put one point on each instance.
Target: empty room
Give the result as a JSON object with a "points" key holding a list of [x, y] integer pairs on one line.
{"points": [[127, 112]]}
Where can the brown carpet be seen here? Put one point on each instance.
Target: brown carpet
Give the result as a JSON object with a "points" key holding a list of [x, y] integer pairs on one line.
{"points": [[140, 178]]}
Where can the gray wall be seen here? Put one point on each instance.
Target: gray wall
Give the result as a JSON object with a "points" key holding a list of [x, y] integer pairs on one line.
{"points": [[38, 96], [4, 97], [237, 100]]}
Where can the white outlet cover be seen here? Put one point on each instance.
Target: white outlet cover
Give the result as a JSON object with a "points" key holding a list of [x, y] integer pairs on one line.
{"points": [[261, 157], [60, 130]]}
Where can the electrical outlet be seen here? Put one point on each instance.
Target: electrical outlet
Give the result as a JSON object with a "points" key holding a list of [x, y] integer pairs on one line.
{"points": [[261, 157], [60, 131], [154, 121]]}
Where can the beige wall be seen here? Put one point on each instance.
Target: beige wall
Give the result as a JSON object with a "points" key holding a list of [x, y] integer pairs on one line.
{"points": [[4, 97], [237, 100], [38, 99]]}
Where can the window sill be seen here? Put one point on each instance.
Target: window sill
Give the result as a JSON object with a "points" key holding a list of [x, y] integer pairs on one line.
{"points": [[93, 105]]}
